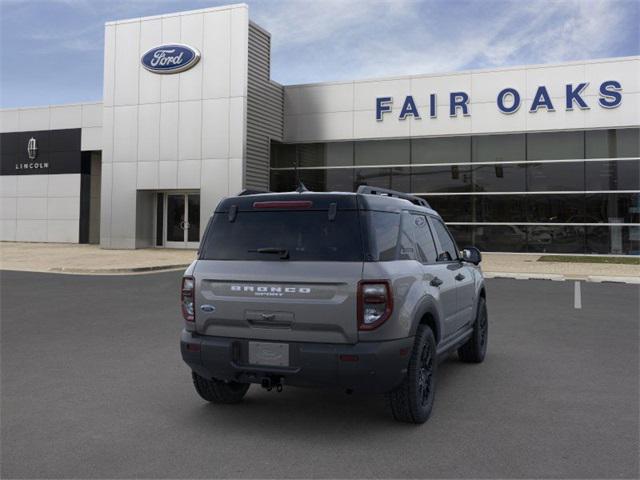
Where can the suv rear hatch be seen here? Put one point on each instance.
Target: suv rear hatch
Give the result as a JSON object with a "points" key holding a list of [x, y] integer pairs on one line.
{"points": [[281, 267]]}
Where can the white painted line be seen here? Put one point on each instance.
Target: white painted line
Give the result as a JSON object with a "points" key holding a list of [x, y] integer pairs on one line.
{"points": [[577, 296]]}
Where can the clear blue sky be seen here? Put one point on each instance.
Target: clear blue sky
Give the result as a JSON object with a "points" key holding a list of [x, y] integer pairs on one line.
{"points": [[51, 50]]}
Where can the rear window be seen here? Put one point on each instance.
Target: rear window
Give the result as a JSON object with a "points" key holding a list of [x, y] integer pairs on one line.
{"points": [[304, 235]]}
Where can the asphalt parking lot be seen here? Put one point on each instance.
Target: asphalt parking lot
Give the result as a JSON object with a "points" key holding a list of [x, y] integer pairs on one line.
{"points": [[93, 386]]}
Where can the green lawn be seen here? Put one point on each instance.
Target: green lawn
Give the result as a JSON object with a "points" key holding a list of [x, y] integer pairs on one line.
{"points": [[586, 259]]}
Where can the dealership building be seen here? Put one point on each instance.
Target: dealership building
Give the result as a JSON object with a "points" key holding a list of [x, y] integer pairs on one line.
{"points": [[541, 158]]}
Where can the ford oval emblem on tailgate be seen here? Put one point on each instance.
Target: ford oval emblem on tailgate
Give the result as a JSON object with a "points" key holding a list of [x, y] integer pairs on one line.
{"points": [[208, 308]]}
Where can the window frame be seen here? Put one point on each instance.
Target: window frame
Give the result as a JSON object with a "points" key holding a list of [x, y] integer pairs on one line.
{"points": [[435, 244], [439, 248]]}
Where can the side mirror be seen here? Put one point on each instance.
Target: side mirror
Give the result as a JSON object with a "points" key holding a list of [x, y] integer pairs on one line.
{"points": [[471, 255]]}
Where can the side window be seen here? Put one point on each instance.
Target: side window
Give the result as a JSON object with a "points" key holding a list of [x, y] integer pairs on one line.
{"points": [[385, 229], [407, 249], [448, 251], [424, 240]]}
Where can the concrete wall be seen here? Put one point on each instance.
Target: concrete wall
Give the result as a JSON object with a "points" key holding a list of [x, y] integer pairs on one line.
{"points": [[177, 131], [87, 116], [40, 208], [46, 208], [346, 110]]}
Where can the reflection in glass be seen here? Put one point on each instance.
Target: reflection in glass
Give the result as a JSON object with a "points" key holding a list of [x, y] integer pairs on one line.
{"points": [[175, 218], [556, 208], [613, 240], [382, 152], [396, 178], [556, 239], [441, 150], [339, 180], [282, 155], [613, 175], [436, 179], [462, 234], [315, 180], [282, 181], [613, 207], [612, 143], [499, 178], [452, 208], [500, 208], [499, 148], [194, 217], [555, 145], [500, 238], [544, 177]]}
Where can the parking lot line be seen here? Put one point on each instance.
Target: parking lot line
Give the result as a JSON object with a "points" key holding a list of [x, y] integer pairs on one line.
{"points": [[577, 296]]}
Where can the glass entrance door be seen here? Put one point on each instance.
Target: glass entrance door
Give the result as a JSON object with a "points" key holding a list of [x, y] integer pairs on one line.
{"points": [[182, 220]]}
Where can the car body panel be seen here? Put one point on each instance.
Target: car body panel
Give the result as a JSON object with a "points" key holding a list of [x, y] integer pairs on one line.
{"points": [[312, 306]]}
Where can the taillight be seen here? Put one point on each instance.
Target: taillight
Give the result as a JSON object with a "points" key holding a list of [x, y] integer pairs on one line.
{"points": [[284, 204], [375, 303], [186, 299]]}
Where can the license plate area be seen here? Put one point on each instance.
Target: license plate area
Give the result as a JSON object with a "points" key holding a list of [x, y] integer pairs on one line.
{"points": [[269, 354]]}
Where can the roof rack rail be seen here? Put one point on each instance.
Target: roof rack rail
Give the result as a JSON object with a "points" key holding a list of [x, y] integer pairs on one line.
{"points": [[392, 193], [252, 192]]}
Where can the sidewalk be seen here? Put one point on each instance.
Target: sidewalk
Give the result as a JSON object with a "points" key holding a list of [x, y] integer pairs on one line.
{"points": [[71, 258], [527, 266]]}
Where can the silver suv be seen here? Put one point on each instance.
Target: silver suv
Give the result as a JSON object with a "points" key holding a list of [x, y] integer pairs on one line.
{"points": [[364, 291]]}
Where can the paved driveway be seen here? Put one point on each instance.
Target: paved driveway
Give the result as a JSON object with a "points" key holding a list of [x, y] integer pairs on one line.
{"points": [[93, 386]]}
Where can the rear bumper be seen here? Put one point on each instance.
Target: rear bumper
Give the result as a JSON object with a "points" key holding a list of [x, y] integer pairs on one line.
{"points": [[373, 367]]}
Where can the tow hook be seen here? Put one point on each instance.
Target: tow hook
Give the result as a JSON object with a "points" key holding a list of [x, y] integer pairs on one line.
{"points": [[269, 384]]}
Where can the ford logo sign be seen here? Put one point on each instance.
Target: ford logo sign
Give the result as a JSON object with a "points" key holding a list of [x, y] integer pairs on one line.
{"points": [[173, 58]]}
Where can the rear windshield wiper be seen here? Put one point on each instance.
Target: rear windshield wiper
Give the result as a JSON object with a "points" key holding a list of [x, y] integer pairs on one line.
{"points": [[283, 252]]}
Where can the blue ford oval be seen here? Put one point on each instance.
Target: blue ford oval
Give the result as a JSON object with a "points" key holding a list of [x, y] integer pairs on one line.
{"points": [[173, 58]]}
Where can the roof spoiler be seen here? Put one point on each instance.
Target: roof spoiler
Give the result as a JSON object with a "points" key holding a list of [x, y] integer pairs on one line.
{"points": [[367, 189], [251, 192]]}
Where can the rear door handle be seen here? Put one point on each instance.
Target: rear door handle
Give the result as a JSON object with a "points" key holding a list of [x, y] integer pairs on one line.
{"points": [[436, 282], [459, 277]]}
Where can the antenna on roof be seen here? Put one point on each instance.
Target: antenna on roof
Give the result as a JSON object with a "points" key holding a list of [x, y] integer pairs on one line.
{"points": [[295, 170], [300, 188]]}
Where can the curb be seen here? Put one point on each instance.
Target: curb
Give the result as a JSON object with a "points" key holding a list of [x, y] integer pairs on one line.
{"points": [[154, 268], [562, 278]]}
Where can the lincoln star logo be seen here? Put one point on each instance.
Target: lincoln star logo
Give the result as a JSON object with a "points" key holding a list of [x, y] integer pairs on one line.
{"points": [[32, 148], [32, 154], [172, 58]]}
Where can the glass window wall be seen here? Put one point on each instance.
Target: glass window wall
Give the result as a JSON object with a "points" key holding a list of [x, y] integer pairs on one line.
{"points": [[555, 145], [441, 150]]}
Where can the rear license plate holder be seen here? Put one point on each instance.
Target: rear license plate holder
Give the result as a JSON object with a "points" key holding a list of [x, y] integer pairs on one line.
{"points": [[269, 354]]}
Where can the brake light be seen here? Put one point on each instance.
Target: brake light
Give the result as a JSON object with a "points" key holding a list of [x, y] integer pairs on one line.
{"points": [[186, 299], [284, 204], [375, 303]]}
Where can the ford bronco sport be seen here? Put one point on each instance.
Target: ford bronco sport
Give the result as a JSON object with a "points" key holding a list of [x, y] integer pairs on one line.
{"points": [[364, 291]]}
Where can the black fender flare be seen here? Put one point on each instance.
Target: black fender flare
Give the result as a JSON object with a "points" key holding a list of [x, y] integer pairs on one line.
{"points": [[428, 307]]}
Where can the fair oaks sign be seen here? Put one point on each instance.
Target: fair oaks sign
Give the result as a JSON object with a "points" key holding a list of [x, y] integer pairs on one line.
{"points": [[173, 58], [508, 101]]}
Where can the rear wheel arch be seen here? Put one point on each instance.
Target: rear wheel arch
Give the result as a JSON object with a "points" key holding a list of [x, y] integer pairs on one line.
{"points": [[431, 321]]}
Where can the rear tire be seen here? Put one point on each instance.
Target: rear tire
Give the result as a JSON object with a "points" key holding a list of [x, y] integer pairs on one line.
{"points": [[412, 401], [475, 349], [217, 391]]}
